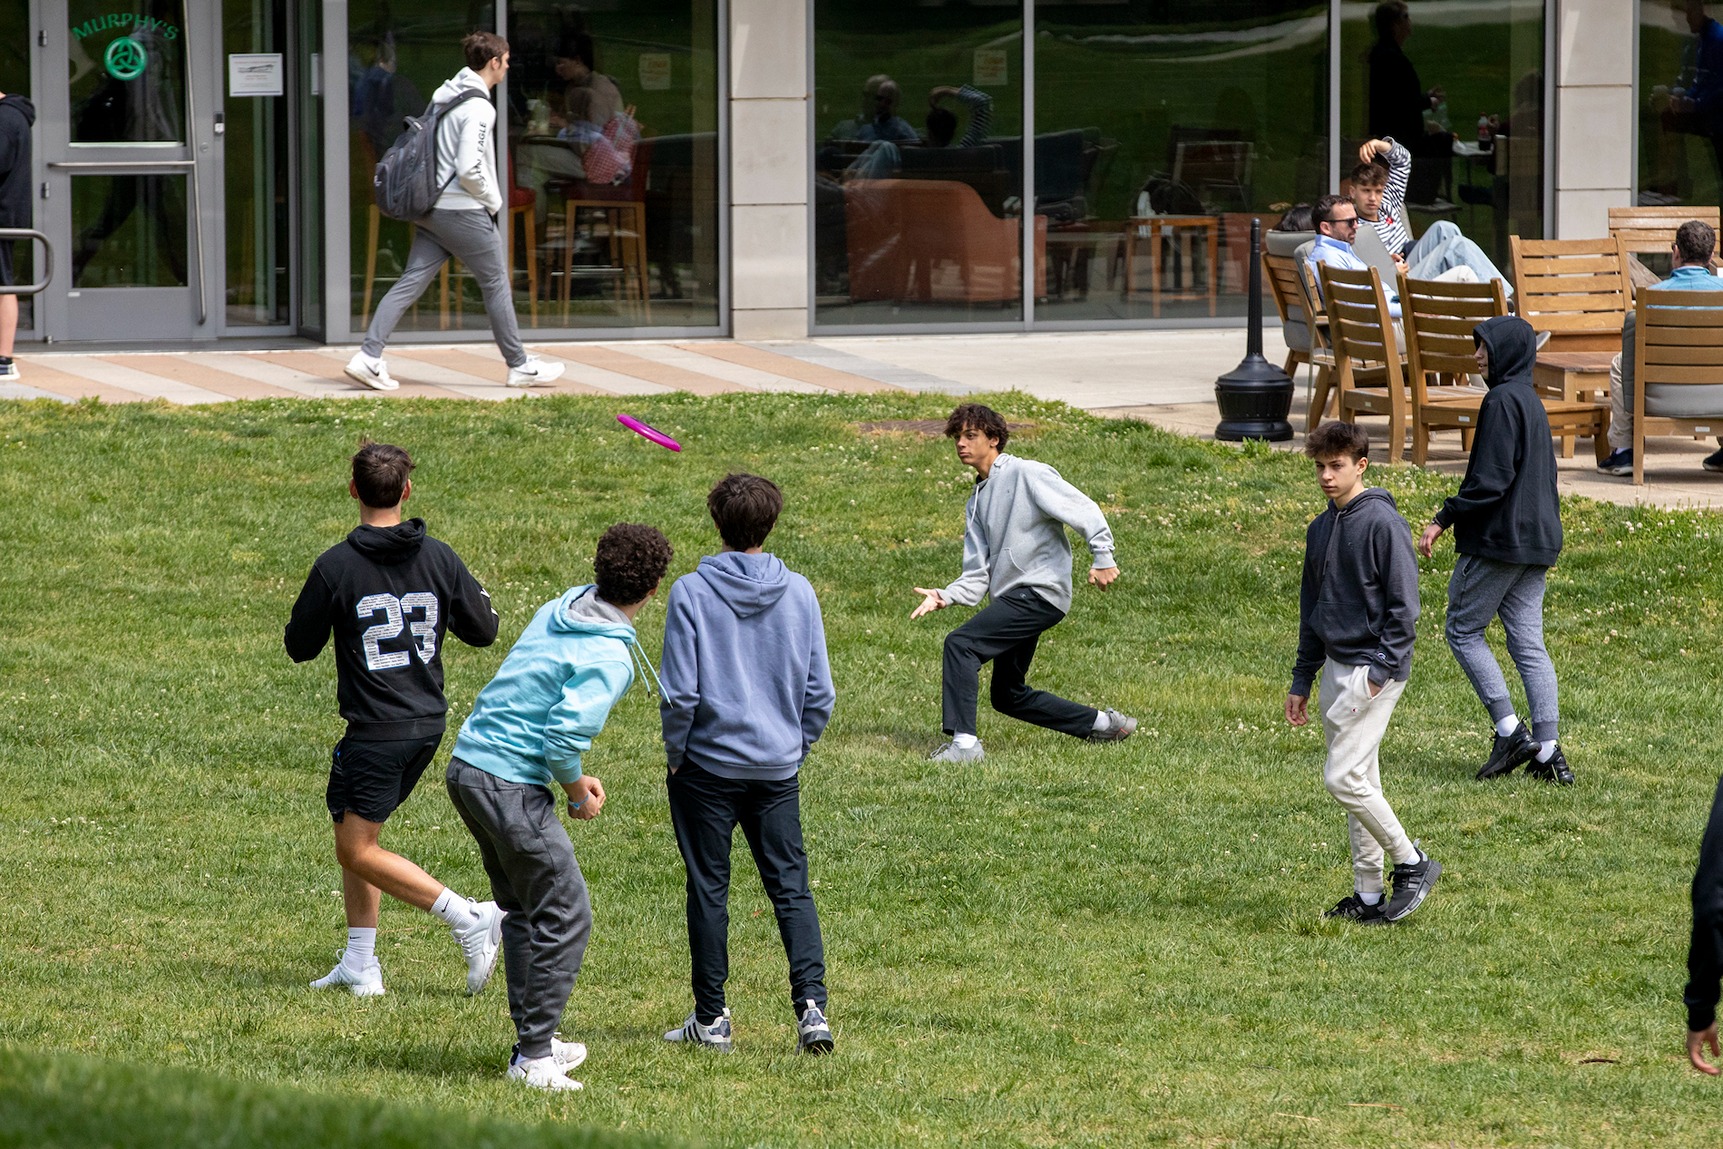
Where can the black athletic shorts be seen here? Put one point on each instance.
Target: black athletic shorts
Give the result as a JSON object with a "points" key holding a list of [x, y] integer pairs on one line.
{"points": [[372, 778], [6, 263]]}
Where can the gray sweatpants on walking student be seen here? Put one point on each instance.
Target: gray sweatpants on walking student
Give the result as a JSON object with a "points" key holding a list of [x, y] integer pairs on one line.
{"points": [[471, 236], [1482, 589], [535, 878]]}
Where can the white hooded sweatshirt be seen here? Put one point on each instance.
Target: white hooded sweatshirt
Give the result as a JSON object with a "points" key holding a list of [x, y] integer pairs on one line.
{"points": [[466, 159]]}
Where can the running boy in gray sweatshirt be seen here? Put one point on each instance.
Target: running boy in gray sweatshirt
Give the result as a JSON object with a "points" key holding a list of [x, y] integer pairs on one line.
{"points": [[1357, 608], [1015, 552], [747, 691]]}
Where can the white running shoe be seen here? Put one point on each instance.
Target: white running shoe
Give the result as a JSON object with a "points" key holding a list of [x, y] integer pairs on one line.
{"points": [[479, 942], [535, 372], [715, 1036], [542, 1073], [369, 372], [567, 1054], [366, 982]]}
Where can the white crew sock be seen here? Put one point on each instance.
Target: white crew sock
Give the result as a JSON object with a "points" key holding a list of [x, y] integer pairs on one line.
{"points": [[1508, 725], [454, 909], [1102, 721], [1546, 751], [361, 947], [1370, 897], [964, 741]]}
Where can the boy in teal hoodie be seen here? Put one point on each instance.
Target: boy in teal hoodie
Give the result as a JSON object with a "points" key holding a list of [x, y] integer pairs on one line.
{"points": [[528, 729]]}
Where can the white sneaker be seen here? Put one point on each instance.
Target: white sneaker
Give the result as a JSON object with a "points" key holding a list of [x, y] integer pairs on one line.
{"points": [[715, 1036], [567, 1054], [9, 369], [479, 942], [369, 372], [542, 1073], [535, 372], [366, 982]]}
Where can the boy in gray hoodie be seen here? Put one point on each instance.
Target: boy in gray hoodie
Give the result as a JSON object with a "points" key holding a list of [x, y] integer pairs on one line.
{"points": [[747, 691], [1357, 607], [1015, 553]]}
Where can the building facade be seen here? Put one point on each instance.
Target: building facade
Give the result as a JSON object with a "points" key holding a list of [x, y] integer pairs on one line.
{"points": [[775, 168]]}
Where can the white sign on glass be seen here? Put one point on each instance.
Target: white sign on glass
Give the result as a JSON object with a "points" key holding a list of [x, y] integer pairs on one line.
{"points": [[255, 74]]}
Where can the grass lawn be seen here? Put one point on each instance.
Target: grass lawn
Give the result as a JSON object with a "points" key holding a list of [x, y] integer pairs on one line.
{"points": [[1068, 945]]}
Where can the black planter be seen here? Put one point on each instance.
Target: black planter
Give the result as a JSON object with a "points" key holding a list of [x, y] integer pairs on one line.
{"points": [[1255, 397]]}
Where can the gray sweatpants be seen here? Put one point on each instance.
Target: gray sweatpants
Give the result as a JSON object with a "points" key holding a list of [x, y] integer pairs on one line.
{"points": [[472, 237], [1479, 590], [535, 878], [1353, 723]]}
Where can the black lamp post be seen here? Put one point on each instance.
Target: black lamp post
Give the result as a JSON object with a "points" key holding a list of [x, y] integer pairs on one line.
{"points": [[1254, 397]]}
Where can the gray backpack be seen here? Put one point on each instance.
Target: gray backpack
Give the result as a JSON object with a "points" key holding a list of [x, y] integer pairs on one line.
{"points": [[405, 182]]}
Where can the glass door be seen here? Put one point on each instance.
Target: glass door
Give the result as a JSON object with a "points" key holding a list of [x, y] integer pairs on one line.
{"points": [[132, 199]]}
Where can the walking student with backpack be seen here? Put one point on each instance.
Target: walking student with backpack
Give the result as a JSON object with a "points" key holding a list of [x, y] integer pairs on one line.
{"points": [[455, 211]]}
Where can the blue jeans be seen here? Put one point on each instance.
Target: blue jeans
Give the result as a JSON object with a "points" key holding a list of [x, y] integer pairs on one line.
{"points": [[1443, 248]]}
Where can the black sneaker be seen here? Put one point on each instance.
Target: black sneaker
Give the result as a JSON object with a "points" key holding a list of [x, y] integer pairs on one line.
{"points": [[1620, 462], [1412, 882], [1507, 753], [1354, 909], [1714, 461], [1555, 770]]}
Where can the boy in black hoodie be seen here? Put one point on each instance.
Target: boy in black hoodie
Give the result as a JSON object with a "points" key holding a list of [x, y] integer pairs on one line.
{"points": [[389, 592], [17, 115], [1507, 530], [1357, 607]]}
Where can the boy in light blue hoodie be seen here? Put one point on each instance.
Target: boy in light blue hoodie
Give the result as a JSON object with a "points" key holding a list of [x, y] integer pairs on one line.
{"points": [[528, 729], [747, 690]]}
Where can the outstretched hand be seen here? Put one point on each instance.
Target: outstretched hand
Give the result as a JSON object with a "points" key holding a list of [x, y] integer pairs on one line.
{"points": [[1427, 541], [931, 600], [1698, 1040]]}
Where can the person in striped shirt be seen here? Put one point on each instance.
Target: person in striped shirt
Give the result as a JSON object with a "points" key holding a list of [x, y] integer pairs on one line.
{"points": [[1379, 194]]}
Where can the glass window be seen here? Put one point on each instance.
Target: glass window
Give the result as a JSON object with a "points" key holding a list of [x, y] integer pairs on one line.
{"points": [[918, 154], [1461, 84], [309, 129], [131, 231], [255, 177], [1680, 104], [1161, 129]]}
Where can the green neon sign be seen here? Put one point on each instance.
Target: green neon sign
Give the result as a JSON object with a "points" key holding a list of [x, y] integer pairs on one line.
{"points": [[126, 59]]}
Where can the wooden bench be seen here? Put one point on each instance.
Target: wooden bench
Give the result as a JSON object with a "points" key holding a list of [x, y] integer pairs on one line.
{"points": [[1367, 365], [1678, 344]]}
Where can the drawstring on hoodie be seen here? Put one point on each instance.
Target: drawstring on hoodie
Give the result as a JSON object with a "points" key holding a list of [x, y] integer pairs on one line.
{"points": [[640, 660]]}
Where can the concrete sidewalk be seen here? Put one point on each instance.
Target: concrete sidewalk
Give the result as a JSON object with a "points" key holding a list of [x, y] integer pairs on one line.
{"points": [[1161, 377]]}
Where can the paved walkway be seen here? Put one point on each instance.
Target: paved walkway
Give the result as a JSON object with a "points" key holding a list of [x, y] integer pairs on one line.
{"points": [[1162, 377]]}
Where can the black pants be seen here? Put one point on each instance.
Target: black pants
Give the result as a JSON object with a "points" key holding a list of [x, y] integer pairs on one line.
{"points": [[1006, 633], [706, 809]]}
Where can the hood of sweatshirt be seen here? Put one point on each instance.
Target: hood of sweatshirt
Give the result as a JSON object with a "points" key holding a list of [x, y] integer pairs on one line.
{"points": [[21, 105], [581, 611], [747, 584], [389, 545], [1513, 349], [461, 81], [1367, 503]]}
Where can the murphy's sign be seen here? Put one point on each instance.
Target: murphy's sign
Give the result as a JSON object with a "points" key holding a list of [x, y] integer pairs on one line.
{"points": [[130, 21]]}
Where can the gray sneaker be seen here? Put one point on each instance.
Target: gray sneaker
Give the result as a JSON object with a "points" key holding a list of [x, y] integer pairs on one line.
{"points": [[1119, 727], [815, 1033], [952, 752]]}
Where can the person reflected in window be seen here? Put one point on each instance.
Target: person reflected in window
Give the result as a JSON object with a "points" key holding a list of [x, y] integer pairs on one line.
{"points": [[886, 125], [1697, 100], [383, 98], [1399, 103], [850, 129], [942, 121], [575, 66]]}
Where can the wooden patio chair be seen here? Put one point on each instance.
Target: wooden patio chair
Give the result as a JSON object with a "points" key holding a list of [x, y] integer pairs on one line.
{"points": [[1368, 374], [1304, 326], [1651, 231], [1677, 357], [1578, 290]]}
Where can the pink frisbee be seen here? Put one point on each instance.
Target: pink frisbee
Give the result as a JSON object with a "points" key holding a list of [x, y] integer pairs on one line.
{"points": [[648, 431]]}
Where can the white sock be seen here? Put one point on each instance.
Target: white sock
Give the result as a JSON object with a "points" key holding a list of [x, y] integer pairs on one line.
{"points": [[361, 947], [453, 908], [1508, 725], [1546, 751], [1370, 897], [964, 741], [1102, 721]]}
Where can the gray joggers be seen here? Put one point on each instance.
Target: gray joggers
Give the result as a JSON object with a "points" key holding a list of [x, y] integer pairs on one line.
{"points": [[472, 237], [535, 878], [1353, 723], [1479, 590]]}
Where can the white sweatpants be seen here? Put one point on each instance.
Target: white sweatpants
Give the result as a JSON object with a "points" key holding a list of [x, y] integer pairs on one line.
{"points": [[1354, 723]]}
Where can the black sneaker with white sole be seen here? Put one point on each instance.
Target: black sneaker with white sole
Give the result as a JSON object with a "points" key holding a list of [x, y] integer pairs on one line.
{"points": [[1555, 770], [1412, 882], [1509, 752], [1713, 461], [1353, 908]]}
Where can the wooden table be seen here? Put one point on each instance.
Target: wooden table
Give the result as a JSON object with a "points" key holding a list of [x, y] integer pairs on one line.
{"points": [[1152, 230], [1572, 375]]}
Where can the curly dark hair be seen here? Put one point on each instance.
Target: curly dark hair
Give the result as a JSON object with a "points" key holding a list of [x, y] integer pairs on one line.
{"points": [[630, 563], [1334, 439], [975, 417], [744, 509]]}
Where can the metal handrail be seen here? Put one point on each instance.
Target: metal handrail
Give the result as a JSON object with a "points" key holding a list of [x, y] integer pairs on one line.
{"points": [[7, 234]]}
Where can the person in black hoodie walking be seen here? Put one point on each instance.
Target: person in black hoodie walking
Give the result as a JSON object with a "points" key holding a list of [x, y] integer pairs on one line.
{"points": [[1357, 607], [389, 592], [17, 114], [1705, 950], [1507, 530]]}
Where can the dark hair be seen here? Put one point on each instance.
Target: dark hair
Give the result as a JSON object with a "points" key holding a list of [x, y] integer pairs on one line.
{"points": [[1334, 439], [380, 473], [1297, 218], [1370, 175], [630, 563], [975, 417], [744, 509], [480, 48], [1695, 241], [1389, 13], [941, 126], [577, 46], [1323, 212]]}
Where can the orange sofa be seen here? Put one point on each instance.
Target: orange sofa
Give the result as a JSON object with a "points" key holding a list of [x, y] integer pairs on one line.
{"points": [[934, 241]]}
